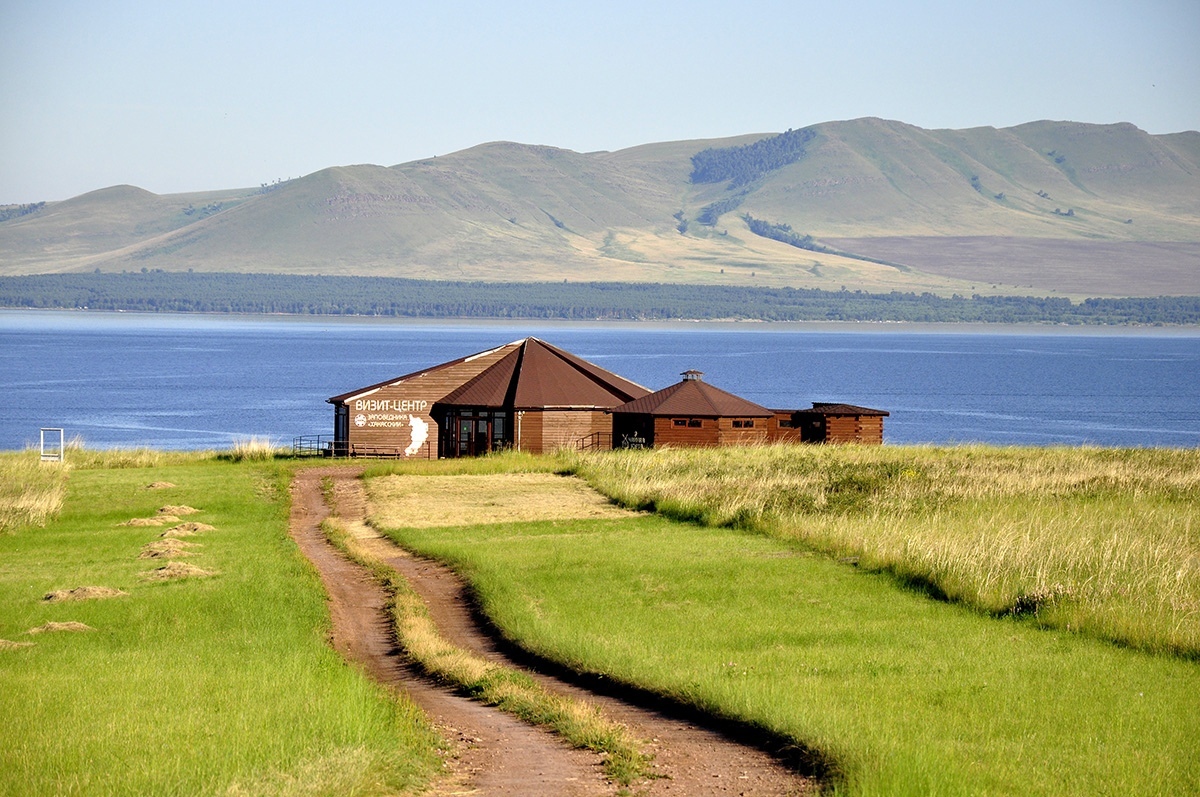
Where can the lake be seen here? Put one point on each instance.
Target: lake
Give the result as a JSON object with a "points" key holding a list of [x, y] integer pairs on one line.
{"points": [[190, 382]]}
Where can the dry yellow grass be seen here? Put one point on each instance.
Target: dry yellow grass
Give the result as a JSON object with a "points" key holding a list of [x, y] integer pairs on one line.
{"points": [[176, 509], [167, 548], [8, 644], [31, 491], [173, 571], [432, 501], [69, 625], [83, 594]]}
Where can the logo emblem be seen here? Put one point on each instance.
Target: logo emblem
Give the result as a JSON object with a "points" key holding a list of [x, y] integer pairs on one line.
{"points": [[360, 420]]}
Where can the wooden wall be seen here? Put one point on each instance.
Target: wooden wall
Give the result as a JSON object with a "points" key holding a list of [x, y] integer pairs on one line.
{"points": [[778, 433], [544, 431], [729, 435], [382, 422], [666, 433], [854, 429]]}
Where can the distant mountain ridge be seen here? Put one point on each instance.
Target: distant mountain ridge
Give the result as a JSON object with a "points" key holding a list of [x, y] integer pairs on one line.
{"points": [[880, 203]]}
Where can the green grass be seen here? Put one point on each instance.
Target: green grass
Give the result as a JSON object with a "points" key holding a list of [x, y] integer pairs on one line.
{"points": [[202, 685], [1102, 541], [901, 695]]}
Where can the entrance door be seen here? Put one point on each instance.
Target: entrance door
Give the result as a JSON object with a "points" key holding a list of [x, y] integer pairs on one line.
{"points": [[474, 436]]}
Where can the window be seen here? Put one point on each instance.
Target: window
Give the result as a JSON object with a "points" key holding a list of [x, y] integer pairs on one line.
{"points": [[744, 424], [694, 423], [680, 422], [786, 423]]}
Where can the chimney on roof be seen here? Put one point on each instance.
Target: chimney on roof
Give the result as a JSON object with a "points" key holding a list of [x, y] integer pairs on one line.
{"points": [[692, 375]]}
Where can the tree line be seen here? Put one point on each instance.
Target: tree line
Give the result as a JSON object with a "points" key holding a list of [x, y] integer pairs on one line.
{"points": [[210, 292]]}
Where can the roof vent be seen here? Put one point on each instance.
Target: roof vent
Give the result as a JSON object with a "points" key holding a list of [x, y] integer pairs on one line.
{"points": [[692, 375]]}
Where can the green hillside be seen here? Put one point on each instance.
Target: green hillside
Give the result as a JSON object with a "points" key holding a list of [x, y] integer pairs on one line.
{"points": [[888, 206]]}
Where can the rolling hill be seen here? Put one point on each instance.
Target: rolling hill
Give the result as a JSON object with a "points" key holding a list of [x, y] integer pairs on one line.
{"points": [[1047, 207]]}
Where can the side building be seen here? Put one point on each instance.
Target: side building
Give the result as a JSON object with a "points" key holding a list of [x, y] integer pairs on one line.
{"points": [[687, 414], [526, 395], [829, 422]]}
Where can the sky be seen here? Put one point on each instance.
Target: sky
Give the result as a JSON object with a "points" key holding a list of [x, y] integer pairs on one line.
{"points": [[176, 97]]}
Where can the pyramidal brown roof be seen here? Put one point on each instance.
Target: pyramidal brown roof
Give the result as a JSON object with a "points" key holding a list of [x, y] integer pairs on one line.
{"points": [[535, 374], [369, 389], [694, 397]]}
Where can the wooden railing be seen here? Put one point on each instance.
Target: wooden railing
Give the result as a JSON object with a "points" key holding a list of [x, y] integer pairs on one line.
{"points": [[596, 440]]}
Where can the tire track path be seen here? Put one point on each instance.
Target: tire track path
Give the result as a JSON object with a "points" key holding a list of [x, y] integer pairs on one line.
{"points": [[497, 754]]}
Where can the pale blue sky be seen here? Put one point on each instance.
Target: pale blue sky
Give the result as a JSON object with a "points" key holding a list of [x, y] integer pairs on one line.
{"points": [[177, 97]]}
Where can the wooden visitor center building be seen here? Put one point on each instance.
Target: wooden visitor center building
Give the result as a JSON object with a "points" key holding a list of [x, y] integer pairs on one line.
{"points": [[531, 396]]}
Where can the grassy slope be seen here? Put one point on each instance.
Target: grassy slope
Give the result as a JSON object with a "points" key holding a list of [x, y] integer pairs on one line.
{"points": [[204, 685], [506, 211]]}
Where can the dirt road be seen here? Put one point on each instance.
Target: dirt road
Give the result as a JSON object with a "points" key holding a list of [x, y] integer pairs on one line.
{"points": [[494, 753]]}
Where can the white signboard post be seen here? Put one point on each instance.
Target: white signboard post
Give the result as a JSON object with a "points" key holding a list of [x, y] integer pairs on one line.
{"points": [[52, 445]]}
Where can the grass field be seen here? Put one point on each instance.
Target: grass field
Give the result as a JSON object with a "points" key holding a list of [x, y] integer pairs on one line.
{"points": [[200, 684], [900, 694], [923, 620]]}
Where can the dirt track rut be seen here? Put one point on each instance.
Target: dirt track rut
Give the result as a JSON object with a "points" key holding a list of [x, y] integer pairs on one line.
{"points": [[494, 753]]}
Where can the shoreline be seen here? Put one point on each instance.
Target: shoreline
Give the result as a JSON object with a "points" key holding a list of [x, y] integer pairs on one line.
{"points": [[180, 320]]}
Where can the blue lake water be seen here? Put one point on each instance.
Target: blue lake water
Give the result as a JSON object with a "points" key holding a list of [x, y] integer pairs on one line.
{"points": [[182, 382]]}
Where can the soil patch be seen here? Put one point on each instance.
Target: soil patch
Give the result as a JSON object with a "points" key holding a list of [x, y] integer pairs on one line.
{"points": [[83, 594], [173, 571], [430, 501], [166, 548], [159, 485], [70, 625]]}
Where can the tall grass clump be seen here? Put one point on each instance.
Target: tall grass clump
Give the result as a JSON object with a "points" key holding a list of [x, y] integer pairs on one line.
{"points": [[252, 449], [1102, 541], [31, 491]]}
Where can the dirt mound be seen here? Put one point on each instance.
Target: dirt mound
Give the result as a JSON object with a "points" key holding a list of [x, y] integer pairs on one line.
{"points": [[181, 509], [82, 594], [159, 485], [7, 645], [70, 625], [177, 570], [187, 529], [161, 520], [166, 548]]}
